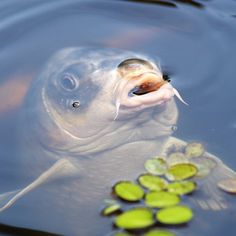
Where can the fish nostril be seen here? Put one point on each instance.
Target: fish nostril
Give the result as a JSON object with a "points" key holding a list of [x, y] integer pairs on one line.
{"points": [[76, 104]]}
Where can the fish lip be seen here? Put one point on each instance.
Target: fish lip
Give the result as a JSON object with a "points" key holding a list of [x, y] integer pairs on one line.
{"points": [[162, 94]]}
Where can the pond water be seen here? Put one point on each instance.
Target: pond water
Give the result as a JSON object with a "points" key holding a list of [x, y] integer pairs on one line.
{"points": [[194, 41]]}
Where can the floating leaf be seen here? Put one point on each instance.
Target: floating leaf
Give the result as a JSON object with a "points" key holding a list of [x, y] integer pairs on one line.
{"points": [[183, 187], [181, 171], [174, 215], [228, 185], [177, 158], [152, 182], [194, 150], [111, 209], [161, 199], [205, 165], [157, 232], [135, 218], [156, 166], [128, 191]]}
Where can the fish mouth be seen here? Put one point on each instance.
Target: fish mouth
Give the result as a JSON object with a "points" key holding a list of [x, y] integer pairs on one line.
{"points": [[148, 82], [143, 90]]}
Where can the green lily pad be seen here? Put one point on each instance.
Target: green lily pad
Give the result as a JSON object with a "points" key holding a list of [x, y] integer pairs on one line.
{"points": [[157, 232], [228, 185], [174, 215], [136, 218], [194, 150], [152, 182], [181, 171], [161, 199], [113, 208], [177, 158], [128, 191], [156, 166], [183, 187]]}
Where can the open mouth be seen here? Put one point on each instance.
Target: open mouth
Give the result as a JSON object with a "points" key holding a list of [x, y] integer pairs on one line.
{"points": [[137, 92], [141, 87], [147, 89], [148, 83]]}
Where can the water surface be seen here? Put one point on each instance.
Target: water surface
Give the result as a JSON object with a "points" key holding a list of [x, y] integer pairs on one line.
{"points": [[194, 43]]}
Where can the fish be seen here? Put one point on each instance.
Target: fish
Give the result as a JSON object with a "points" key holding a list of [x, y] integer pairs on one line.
{"points": [[91, 118]]}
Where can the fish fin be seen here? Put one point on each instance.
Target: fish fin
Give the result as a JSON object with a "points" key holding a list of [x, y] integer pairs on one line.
{"points": [[117, 109], [208, 196], [62, 168], [211, 197]]}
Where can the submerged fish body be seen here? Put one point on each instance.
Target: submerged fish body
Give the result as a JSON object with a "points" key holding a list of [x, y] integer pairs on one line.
{"points": [[92, 118], [109, 117], [87, 125]]}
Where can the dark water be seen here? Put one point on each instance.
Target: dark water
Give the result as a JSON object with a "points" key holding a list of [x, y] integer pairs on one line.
{"points": [[195, 43]]}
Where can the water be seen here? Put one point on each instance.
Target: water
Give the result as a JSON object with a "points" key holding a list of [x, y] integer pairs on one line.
{"points": [[194, 43]]}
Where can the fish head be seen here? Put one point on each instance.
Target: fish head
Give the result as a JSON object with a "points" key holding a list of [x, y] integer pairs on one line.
{"points": [[88, 100]]}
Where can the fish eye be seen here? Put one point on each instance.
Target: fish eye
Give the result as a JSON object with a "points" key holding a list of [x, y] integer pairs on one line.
{"points": [[134, 63], [69, 82]]}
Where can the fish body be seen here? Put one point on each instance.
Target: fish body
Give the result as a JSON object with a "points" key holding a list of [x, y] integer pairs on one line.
{"points": [[91, 118], [73, 154]]}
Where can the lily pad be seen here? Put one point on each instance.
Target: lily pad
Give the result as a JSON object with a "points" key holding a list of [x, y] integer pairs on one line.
{"points": [[181, 171], [128, 191], [174, 215], [228, 185], [156, 166], [177, 158], [183, 187], [136, 218], [113, 208], [205, 165], [194, 150], [161, 199], [157, 232], [152, 182]]}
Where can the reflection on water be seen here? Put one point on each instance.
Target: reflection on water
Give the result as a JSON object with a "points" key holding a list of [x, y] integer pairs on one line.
{"points": [[196, 46], [170, 3], [197, 4], [16, 231], [162, 3]]}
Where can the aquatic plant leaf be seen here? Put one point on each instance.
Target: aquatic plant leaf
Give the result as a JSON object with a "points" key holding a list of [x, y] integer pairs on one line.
{"points": [[135, 218], [174, 215], [108, 210], [128, 191], [161, 199], [152, 182], [205, 165], [156, 166], [194, 150], [157, 232], [181, 171], [183, 187], [228, 185], [177, 158]]}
